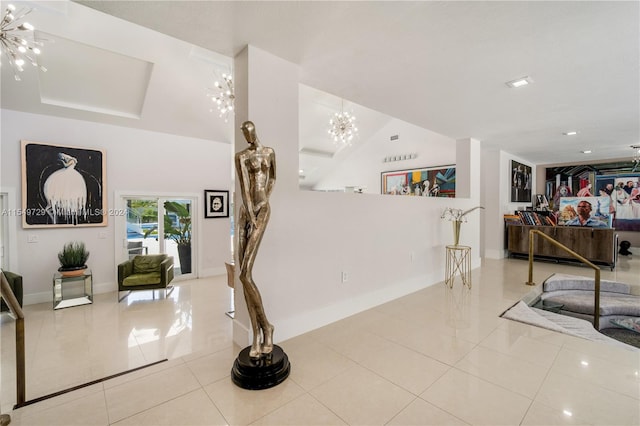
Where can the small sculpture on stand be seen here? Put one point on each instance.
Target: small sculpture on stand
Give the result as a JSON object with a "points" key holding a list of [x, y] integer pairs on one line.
{"points": [[457, 257], [263, 364], [457, 216]]}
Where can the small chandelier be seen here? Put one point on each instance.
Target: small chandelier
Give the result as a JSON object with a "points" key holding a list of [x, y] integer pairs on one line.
{"points": [[14, 44], [342, 127], [223, 96]]}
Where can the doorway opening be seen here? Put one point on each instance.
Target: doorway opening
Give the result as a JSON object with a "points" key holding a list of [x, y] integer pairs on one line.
{"points": [[162, 225]]}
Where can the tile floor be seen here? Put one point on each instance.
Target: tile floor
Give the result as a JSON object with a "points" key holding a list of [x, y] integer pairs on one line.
{"points": [[435, 357]]}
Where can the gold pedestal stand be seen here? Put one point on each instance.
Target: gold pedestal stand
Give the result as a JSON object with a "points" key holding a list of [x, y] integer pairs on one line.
{"points": [[458, 261]]}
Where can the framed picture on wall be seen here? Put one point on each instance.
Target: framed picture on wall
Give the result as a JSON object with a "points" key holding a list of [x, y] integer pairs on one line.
{"points": [[541, 202], [585, 211], [624, 191], [437, 181], [520, 182], [216, 203], [62, 186]]}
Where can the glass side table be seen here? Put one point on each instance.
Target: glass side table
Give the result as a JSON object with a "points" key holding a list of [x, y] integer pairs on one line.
{"points": [[72, 291]]}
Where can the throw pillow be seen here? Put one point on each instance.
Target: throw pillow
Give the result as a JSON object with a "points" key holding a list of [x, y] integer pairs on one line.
{"points": [[147, 263]]}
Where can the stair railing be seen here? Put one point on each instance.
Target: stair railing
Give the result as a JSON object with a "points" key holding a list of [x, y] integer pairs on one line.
{"points": [[596, 301], [16, 310]]}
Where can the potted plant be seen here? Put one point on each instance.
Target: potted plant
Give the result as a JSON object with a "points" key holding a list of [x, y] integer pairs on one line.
{"points": [[179, 231], [73, 258]]}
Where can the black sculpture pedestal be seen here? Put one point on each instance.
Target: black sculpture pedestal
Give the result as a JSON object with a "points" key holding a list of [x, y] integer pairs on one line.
{"points": [[263, 373]]}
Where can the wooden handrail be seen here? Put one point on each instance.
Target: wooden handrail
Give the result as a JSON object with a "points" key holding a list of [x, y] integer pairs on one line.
{"points": [[16, 310], [596, 302]]}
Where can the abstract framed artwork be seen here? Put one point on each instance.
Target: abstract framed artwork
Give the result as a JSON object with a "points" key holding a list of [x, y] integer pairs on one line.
{"points": [[520, 182], [216, 203], [437, 181], [62, 186]]}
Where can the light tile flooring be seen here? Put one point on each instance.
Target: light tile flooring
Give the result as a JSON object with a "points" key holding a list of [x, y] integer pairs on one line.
{"points": [[435, 357]]}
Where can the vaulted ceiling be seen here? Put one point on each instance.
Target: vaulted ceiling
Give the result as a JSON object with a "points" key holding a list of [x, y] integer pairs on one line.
{"points": [[437, 65]]}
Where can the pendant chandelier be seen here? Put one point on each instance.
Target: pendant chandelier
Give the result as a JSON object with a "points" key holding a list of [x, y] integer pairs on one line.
{"points": [[15, 46], [342, 127], [223, 96]]}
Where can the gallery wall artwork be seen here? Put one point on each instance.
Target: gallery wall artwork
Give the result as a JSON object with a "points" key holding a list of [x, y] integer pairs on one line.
{"points": [[216, 203], [624, 191], [520, 182], [617, 180], [62, 186], [425, 182], [598, 208]]}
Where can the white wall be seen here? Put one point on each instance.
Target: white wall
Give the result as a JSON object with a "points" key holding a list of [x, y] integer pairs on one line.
{"points": [[137, 160], [388, 248], [496, 197], [491, 199]]}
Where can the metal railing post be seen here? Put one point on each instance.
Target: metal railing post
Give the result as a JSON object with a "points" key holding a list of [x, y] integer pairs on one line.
{"points": [[14, 306], [596, 290], [530, 281]]}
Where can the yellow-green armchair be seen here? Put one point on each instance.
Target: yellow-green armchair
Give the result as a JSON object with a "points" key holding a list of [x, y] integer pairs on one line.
{"points": [[145, 272], [15, 282]]}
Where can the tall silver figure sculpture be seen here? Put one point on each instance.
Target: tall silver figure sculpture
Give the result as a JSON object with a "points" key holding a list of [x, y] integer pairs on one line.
{"points": [[256, 169]]}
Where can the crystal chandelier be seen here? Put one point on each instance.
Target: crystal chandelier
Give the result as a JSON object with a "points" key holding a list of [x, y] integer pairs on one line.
{"points": [[13, 42], [223, 96], [342, 127]]}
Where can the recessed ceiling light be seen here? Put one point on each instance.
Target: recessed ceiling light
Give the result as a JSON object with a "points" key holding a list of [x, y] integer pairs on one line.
{"points": [[572, 133], [586, 151], [519, 82]]}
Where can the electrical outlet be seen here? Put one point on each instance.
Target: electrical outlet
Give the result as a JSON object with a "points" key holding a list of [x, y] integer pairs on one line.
{"points": [[31, 238], [345, 277]]}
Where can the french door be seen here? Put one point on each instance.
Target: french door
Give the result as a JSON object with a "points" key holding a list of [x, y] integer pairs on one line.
{"points": [[157, 224], [4, 227], [8, 221]]}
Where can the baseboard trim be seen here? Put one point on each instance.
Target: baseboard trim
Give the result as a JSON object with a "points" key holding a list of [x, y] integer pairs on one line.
{"points": [[212, 272]]}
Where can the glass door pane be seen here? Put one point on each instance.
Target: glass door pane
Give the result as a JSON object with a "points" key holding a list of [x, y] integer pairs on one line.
{"points": [[178, 233], [142, 227], [4, 258]]}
